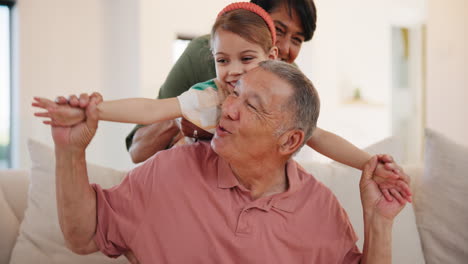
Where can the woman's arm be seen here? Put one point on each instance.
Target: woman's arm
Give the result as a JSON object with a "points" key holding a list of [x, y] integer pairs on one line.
{"points": [[338, 149], [147, 140]]}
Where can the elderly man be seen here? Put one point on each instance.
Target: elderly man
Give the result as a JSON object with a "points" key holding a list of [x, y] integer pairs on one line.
{"points": [[239, 200]]}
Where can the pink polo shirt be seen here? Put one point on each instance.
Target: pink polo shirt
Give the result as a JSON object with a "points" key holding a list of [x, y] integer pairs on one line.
{"points": [[185, 205]]}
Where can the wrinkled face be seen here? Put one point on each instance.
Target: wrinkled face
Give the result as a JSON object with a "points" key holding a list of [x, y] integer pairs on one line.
{"points": [[289, 33], [234, 56], [251, 117]]}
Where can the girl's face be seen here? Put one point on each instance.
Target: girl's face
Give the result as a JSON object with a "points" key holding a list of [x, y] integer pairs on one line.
{"points": [[234, 56]]}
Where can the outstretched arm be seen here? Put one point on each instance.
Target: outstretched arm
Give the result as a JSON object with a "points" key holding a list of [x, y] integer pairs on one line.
{"points": [[133, 110], [388, 174], [139, 110], [338, 149]]}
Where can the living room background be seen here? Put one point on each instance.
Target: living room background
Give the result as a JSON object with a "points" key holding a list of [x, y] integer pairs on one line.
{"points": [[124, 49]]}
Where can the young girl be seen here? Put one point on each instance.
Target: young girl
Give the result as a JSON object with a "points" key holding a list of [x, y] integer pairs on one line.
{"points": [[242, 36]]}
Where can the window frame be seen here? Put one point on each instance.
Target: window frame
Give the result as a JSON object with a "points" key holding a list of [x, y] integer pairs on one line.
{"points": [[10, 4]]}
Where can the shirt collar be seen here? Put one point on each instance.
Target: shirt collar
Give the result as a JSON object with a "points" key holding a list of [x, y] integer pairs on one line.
{"points": [[285, 201]]}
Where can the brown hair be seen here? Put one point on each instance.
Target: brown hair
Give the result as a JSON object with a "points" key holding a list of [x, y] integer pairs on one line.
{"points": [[305, 9], [247, 25]]}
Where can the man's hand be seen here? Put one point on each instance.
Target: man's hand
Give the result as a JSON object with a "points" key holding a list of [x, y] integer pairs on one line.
{"points": [[81, 102], [373, 201], [379, 214], [60, 115], [72, 134], [78, 136]]}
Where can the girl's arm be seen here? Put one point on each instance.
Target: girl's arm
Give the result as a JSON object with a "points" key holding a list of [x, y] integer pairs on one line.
{"points": [[139, 110], [338, 149], [133, 110], [388, 175]]}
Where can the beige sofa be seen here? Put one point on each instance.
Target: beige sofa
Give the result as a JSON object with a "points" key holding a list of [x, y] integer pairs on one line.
{"points": [[30, 232], [13, 201]]}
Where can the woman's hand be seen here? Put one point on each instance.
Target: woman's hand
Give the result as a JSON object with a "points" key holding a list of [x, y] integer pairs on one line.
{"points": [[189, 129]]}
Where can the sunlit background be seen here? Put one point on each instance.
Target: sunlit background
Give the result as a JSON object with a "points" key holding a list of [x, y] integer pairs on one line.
{"points": [[382, 68]]}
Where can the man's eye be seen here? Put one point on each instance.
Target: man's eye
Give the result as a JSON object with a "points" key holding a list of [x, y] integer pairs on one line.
{"points": [[251, 106]]}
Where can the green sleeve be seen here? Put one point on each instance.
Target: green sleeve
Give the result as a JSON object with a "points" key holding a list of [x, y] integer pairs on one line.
{"points": [[195, 65]]}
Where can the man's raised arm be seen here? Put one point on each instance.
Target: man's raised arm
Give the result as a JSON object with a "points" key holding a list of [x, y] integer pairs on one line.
{"points": [[76, 199], [379, 214]]}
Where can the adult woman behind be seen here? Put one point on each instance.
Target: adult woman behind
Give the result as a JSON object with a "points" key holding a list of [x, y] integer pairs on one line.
{"points": [[295, 22]]}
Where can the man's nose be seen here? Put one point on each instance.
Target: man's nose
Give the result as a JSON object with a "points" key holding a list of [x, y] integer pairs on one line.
{"points": [[230, 108]]}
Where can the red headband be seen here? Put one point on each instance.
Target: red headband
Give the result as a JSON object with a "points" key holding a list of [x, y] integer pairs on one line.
{"points": [[255, 9]]}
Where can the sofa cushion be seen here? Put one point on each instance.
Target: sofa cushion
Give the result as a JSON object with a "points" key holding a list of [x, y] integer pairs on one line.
{"points": [[13, 196], [14, 185], [40, 239], [343, 181], [441, 201]]}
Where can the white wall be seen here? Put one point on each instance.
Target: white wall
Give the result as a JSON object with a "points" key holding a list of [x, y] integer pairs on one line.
{"points": [[123, 49], [352, 49], [160, 23], [447, 68], [119, 48], [68, 47]]}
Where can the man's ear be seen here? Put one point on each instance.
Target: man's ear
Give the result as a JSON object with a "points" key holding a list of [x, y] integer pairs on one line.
{"points": [[273, 54], [290, 141]]}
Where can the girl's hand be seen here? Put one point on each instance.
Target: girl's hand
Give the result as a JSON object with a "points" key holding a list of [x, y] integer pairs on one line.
{"points": [[60, 115], [82, 101], [392, 180]]}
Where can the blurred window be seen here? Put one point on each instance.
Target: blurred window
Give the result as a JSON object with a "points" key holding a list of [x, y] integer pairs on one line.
{"points": [[5, 84], [180, 44]]}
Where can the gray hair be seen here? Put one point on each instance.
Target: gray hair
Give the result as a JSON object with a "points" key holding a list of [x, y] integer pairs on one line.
{"points": [[304, 103]]}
